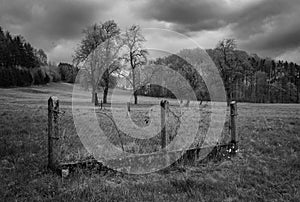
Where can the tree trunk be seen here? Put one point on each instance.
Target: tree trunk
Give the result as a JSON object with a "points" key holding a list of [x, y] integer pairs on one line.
{"points": [[94, 87], [105, 93], [298, 91], [256, 90], [135, 98], [93, 94], [228, 97], [106, 87], [269, 87], [96, 99], [134, 88]]}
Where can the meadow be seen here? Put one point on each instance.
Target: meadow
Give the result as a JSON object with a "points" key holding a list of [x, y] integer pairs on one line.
{"points": [[266, 168]]}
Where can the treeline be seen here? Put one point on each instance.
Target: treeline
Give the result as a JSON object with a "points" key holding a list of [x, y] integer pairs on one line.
{"points": [[268, 81], [23, 65], [20, 62], [247, 78], [15, 51], [250, 78], [19, 76]]}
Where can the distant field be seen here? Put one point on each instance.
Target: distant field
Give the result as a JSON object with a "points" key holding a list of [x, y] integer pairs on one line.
{"points": [[267, 166]]}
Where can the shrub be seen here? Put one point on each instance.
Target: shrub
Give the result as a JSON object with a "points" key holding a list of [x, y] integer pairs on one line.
{"points": [[67, 72], [54, 73], [46, 74], [38, 77]]}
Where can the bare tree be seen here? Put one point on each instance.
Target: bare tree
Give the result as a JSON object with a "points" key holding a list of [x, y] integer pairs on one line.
{"points": [[99, 50], [230, 65], [136, 55]]}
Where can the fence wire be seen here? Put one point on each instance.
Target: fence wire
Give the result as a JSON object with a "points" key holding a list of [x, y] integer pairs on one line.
{"points": [[125, 140], [71, 149]]}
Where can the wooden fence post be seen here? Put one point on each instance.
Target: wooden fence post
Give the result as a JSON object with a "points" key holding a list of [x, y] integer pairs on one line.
{"points": [[164, 109], [53, 131], [233, 129]]}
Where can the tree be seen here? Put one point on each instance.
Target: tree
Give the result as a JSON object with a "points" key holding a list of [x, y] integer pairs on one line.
{"points": [[99, 51], [297, 82], [2, 47], [261, 86], [178, 64], [41, 57], [31, 60], [230, 64], [136, 56], [19, 51], [67, 72]]}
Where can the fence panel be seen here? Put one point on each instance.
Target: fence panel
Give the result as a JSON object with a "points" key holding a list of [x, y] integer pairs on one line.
{"points": [[65, 146]]}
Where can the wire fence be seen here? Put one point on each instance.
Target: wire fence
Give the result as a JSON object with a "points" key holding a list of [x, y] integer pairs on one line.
{"points": [[64, 144]]}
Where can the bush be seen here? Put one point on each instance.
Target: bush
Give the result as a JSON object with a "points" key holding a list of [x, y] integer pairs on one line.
{"points": [[46, 74], [67, 72], [38, 77], [54, 73]]}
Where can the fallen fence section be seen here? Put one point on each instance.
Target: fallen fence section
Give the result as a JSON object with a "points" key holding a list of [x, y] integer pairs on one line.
{"points": [[139, 163]]}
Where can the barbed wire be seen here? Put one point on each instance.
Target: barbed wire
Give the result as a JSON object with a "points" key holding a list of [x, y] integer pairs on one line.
{"points": [[59, 112], [116, 127], [174, 120], [173, 126], [174, 113]]}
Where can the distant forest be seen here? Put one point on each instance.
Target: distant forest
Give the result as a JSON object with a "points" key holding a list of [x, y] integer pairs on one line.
{"points": [[23, 65], [246, 77]]}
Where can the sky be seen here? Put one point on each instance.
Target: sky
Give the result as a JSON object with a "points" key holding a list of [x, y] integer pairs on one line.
{"points": [[270, 28]]}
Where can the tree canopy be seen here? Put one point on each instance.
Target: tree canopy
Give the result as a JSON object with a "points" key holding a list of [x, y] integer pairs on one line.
{"points": [[15, 51]]}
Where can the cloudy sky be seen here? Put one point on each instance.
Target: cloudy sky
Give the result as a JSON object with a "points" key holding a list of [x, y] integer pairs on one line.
{"points": [[267, 27]]}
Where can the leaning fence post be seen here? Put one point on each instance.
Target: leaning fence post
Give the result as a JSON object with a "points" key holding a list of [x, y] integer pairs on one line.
{"points": [[164, 108], [53, 131], [233, 129]]}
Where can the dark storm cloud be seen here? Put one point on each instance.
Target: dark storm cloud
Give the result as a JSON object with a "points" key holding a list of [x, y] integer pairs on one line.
{"points": [[14, 12], [272, 26], [268, 27], [193, 15], [283, 34], [198, 15], [49, 20]]}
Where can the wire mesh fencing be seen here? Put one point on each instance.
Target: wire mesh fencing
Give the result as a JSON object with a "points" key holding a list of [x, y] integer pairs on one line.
{"points": [[134, 130]]}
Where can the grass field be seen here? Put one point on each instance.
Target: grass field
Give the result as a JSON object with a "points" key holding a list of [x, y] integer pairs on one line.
{"points": [[266, 168]]}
